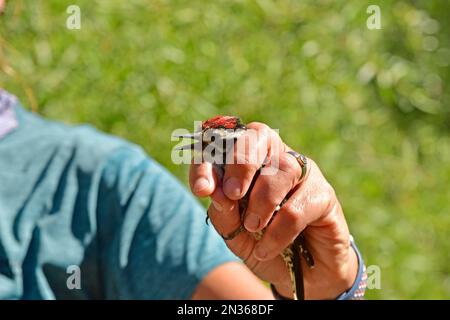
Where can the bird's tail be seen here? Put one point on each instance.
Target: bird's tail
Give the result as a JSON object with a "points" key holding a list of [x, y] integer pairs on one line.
{"points": [[300, 250], [299, 289]]}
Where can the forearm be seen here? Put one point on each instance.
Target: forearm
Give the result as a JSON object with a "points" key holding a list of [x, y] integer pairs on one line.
{"points": [[232, 281]]}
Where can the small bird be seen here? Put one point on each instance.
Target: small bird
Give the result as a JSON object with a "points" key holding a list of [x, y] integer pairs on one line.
{"points": [[219, 134]]}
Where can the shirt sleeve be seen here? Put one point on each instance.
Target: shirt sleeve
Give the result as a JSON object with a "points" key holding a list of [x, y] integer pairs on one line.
{"points": [[153, 238]]}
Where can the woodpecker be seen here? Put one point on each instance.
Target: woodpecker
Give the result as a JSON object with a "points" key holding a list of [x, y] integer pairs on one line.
{"points": [[219, 135]]}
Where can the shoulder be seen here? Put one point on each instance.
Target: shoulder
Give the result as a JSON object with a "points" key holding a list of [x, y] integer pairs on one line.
{"points": [[85, 144], [119, 164]]}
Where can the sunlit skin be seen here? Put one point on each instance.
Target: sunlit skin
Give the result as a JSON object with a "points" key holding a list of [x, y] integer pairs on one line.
{"points": [[313, 207]]}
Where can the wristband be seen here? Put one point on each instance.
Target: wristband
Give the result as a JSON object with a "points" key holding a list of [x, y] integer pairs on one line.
{"points": [[356, 292]]}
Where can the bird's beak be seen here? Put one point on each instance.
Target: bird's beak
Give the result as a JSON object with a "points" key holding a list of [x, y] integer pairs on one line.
{"points": [[192, 146], [195, 135]]}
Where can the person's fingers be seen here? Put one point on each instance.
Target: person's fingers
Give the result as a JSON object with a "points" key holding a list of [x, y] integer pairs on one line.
{"points": [[223, 212], [202, 179], [284, 228], [224, 215], [270, 190], [251, 150], [305, 207]]}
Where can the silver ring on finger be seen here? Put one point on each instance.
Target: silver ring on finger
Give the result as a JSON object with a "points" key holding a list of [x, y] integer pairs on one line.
{"points": [[302, 161]]}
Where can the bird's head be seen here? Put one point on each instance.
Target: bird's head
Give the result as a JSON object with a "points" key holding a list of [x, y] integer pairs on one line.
{"points": [[216, 132]]}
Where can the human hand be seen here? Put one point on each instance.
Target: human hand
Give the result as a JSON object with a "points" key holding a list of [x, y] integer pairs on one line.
{"points": [[312, 207]]}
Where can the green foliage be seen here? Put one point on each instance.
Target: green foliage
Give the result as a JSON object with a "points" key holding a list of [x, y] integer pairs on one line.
{"points": [[370, 106]]}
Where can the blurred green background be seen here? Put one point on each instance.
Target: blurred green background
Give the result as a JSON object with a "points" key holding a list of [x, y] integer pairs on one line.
{"points": [[370, 106]]}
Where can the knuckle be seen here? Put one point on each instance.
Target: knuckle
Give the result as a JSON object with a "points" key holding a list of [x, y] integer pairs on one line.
{"points": [[274, 133], [267, 194], [248, 159], [328, 189], [264, 132], [258, 126], [291, 167], [288, 161], [312, 163], [251, 164], [328, 195], [271, 202], [291, 213], [313, 168]]}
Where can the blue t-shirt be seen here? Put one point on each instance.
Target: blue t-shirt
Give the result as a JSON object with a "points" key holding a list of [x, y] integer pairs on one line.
{"points": [[79, 208]]}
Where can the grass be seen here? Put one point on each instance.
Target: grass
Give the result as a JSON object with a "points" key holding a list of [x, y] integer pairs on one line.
{"points": [[370, 106]]}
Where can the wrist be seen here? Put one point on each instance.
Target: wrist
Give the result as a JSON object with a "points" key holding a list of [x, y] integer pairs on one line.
{"points": [[349, 272], [332, 283], [324, 284], [357, 290]]}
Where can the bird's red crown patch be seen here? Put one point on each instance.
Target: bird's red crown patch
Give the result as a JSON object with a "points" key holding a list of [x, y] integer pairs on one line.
{"points": [[225, 122]]}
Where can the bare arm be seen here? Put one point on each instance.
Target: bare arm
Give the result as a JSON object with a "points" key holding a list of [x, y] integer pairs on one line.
{"points": [[232, 281]]}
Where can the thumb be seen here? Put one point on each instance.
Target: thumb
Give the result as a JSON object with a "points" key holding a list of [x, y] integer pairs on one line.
{"points": [[202, 179]]}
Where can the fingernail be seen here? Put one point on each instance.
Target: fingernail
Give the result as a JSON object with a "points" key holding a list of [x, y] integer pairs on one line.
{"points": [[251, 223], [200, 185], [217, 206], [232, 188], [260, 253]]}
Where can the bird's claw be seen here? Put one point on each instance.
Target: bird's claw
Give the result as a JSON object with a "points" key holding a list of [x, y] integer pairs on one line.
{"points": [[233, 234]]}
